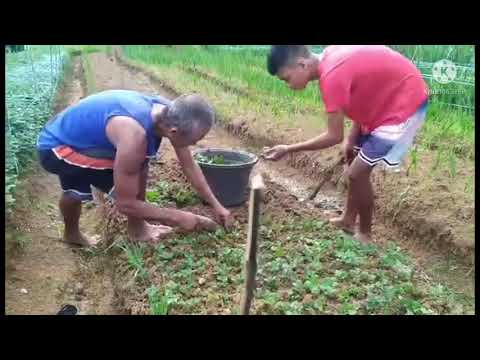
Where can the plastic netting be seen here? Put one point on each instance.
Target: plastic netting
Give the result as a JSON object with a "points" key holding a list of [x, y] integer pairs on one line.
{"points": [[31, 79]]}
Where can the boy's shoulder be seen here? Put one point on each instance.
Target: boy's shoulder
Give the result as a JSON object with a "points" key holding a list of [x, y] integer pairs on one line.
{"points": [[335, 60]]}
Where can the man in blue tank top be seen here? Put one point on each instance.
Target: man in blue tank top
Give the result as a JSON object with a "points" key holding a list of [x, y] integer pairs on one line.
{"points": [[105, 141]]}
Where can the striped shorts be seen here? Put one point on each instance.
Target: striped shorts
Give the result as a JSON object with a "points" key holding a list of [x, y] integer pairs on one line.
{"points": [[80, 170], [389, 144]]}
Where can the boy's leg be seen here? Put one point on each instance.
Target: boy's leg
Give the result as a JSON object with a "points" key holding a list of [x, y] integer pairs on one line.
{"points": [[388, 144], [361, 191], [346, 222]]}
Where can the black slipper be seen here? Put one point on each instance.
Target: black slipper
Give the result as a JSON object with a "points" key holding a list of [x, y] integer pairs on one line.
{"points": [[68, 310]]}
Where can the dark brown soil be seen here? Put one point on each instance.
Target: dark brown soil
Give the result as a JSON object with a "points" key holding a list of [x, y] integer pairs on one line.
{"points": [[435, 220]]}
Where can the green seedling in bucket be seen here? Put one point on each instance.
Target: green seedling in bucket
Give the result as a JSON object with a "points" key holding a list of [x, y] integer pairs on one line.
{"points": [[227, 172], [214, 160]]}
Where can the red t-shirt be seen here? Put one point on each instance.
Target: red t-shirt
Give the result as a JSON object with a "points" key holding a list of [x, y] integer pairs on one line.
{"points": [[373, 84]]}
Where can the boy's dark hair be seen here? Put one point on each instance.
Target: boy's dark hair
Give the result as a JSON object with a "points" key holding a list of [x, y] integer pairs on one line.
{"points": [[284, 55]]}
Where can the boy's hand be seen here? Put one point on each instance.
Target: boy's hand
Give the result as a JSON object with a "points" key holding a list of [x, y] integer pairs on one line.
{"points": [[348, 152], [275, 153]]}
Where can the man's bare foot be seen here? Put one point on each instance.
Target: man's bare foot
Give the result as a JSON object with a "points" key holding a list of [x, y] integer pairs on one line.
{"points": [[363, 238], [80, 240], [340, 223], [150, 233]]}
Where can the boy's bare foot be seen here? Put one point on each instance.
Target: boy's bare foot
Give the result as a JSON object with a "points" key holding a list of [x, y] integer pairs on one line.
{"points": [[150, 233], [363, 238], [80, 240], [340, 223]]}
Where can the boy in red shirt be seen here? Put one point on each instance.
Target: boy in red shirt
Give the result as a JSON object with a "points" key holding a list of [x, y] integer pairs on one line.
{"points": [[380, 90]]}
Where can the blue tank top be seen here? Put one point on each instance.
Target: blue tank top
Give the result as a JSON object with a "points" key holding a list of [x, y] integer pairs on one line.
{"points": [[83, 125]]}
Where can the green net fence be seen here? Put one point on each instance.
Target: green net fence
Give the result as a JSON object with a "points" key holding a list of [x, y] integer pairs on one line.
{"points": [[458, 93], [31, 80]]}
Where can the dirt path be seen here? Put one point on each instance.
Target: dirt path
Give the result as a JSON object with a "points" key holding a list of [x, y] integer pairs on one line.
{"points": [[46, 265], [49, 273]]}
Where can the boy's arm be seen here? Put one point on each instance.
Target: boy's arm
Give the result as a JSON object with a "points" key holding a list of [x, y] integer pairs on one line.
{"points": [[354, 134], [332, 136], [348, 153]]}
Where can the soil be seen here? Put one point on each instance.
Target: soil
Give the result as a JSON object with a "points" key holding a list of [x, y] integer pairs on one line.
{"points": [[442, 230], [433, 240], [54, 274]]}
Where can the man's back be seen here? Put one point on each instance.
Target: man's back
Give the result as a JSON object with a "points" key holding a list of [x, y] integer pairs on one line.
{"points": [[82, 126]]}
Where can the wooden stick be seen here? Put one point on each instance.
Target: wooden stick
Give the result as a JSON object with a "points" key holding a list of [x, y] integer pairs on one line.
{"points": [[257, 187], [328, 174], [317, 189]]}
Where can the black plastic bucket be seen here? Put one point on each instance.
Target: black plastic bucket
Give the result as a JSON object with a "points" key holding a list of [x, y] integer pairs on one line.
{"points": [[228, 181]]}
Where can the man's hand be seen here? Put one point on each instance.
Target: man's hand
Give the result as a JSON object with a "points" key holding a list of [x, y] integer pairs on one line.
{"points": [[223, 217], [275, 153], [204, 223], [191, 222]]}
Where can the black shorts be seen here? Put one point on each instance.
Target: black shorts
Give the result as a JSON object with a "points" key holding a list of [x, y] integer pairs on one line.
{"points": [[79, 171]]}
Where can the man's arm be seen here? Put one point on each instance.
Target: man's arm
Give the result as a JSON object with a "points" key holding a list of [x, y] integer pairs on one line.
{"points": [[130, 141], [143, 182], [195, 176], [333, 135]]}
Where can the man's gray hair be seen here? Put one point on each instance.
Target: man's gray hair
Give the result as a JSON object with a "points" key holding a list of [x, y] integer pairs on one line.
{"points": [[189, 112]]}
